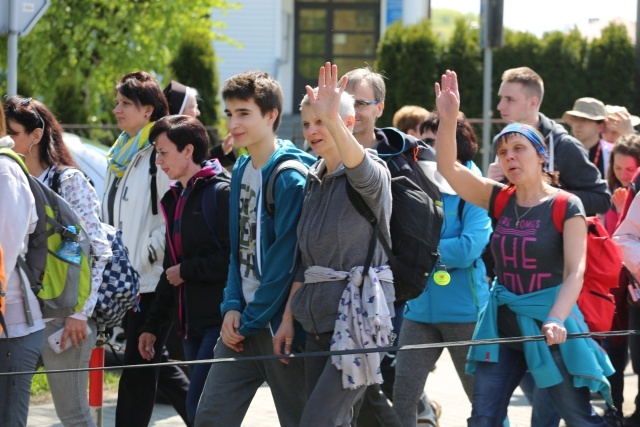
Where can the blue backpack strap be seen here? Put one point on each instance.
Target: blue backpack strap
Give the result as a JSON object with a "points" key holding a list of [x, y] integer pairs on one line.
{"points": [[210, 206]]}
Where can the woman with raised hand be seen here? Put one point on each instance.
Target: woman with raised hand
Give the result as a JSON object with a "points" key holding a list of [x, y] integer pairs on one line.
{"points": [[196, 256], [334, 242], [38, 136], [539, 277], [131, 204]]}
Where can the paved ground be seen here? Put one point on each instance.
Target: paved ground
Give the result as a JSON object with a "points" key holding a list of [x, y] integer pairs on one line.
{"points": [[442, 386]]}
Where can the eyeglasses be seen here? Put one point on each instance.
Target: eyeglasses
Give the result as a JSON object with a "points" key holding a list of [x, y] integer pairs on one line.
{"points": [[358, 103], [26, 102], [429, 141]]}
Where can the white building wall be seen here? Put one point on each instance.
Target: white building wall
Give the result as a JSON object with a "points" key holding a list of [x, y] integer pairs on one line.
{"points": [[264, 28]]}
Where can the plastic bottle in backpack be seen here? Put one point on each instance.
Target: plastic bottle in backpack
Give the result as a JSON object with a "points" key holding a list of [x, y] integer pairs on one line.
{"points": [[69, 249]]}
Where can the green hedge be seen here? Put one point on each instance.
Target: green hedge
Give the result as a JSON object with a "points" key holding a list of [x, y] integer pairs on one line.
{"points": [[413, 58]]}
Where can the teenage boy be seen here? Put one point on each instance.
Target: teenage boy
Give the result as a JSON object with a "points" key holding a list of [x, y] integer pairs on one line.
{"points": [[263, 260]]}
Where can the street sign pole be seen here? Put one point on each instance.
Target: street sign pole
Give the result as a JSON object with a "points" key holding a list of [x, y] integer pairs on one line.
{"points": [[12, 69], [17, 18]]}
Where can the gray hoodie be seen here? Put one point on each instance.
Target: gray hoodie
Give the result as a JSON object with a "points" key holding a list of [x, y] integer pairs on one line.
{"points": [[332, 234]]}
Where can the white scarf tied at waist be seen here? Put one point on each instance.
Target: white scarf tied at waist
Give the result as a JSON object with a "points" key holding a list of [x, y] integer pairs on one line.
{"points": [[363, 321]]}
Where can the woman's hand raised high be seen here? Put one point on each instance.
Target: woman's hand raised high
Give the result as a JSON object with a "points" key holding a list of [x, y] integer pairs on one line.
{"points": [[448, 96], [326, 102]]}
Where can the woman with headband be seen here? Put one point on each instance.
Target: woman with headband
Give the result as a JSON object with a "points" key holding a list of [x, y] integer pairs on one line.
{"points": [[539, 277]]}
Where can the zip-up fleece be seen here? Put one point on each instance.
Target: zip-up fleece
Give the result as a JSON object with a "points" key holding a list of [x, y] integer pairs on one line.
{"points": [[142, 232], [277, 244], [332, 234], [204, 261], [461, 246]]}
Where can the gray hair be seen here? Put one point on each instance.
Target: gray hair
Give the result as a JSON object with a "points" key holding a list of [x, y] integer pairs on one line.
{"points": [[346, 104], [366, 74]]}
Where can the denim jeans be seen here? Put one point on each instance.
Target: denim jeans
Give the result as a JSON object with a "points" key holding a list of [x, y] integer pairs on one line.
{"points": [[543, 413], [198, 346], [17, 355], [69, 390], [495, 383]]}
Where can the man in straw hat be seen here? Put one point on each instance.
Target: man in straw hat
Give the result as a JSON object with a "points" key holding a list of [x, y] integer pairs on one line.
{"points": [[587, 121]]}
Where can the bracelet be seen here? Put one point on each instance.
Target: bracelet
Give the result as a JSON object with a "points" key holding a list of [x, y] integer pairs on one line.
{"points": [[554, 320]]}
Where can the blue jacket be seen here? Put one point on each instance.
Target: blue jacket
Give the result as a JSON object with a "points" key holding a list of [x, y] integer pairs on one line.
{"points": [[585, 360], [278, 243], [461, 246]]}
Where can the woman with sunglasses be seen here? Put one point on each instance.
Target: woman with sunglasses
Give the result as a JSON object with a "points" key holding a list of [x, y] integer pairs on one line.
{"points": [[131, 203], [38, 136], [446, 311], [20, 342]]}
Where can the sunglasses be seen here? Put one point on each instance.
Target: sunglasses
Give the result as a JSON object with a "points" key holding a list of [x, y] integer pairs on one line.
{"points": [[26, 102]]}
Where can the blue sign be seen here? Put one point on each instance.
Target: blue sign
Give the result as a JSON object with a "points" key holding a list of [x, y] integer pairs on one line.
{"points": [[394, 11]]}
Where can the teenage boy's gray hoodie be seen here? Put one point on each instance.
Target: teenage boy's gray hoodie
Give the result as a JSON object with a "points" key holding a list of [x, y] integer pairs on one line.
{"points": [[332, 234]]}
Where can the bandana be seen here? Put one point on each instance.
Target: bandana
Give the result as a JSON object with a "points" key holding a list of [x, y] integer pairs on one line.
{"points": [[532, 136]]}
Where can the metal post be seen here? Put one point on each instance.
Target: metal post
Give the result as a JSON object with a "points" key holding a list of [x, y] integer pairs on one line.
{"points": [[12, 50], [486, 109], [486, 86], [96, 381]]}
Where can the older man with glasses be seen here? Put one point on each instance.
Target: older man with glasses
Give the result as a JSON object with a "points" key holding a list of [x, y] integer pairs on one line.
{"points": [[368, 89]]}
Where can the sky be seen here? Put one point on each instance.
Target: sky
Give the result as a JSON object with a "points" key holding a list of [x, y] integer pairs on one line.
{"points": [[539, 16]]}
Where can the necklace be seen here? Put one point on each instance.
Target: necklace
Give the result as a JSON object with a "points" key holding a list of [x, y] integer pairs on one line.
{"points": [[518, 217]]}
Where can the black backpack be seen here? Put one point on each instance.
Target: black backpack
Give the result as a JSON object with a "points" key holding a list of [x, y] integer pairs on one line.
{"points": [[415, 237]]}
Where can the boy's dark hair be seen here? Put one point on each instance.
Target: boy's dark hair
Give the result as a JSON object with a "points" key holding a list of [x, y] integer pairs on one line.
{"points": [[182, 131], [143, 89], [259, 86], [466, 141]]}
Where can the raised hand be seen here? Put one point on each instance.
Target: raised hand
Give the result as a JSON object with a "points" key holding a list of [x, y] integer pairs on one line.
{"points": [[448, 96], [326, 102]]}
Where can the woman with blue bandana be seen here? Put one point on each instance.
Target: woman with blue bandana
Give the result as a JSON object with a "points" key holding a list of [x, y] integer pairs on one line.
{"points": [[539, 274]]}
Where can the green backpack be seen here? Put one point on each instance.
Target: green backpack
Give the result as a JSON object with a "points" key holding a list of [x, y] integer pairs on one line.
{"points": [[61, 286]]}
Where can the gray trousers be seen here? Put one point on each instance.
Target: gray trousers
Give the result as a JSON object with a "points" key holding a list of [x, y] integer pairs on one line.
{"points": [[69, 390], [329, 404], [413, 366], [230, 387]]}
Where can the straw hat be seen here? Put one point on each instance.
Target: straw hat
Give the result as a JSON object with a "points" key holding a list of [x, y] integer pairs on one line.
{"points": [[587, 108], [612, 109]]}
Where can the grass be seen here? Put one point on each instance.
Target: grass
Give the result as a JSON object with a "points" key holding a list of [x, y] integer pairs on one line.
{"points": [[40, 392]]}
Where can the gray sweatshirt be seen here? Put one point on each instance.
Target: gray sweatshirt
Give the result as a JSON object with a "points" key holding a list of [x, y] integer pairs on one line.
{"points": [[332, 234]]}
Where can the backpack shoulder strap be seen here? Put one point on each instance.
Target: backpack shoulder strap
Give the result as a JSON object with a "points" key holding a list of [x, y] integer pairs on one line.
{"points": [[560, 209], [153, 186], [461, 208], [502, 198], [210, 205], [269, 190]]}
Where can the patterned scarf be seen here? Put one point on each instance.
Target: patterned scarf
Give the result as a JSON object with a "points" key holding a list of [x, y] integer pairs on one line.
{"points": [[125, 147]]}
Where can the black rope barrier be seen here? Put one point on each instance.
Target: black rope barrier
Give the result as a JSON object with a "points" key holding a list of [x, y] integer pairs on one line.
{"points": [[335, 352]]}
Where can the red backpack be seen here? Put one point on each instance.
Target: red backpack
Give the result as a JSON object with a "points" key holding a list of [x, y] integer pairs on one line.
{"points": [[602, 268]]}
